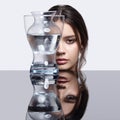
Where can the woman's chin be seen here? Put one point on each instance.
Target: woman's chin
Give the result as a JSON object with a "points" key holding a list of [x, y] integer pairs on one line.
{"points": [[64, 67]]}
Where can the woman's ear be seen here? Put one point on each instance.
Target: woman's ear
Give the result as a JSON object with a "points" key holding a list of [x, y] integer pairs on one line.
{"points": [[79, 56]]}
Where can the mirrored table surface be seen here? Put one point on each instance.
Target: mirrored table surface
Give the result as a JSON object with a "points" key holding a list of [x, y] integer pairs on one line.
{"points": [[99, 91]]}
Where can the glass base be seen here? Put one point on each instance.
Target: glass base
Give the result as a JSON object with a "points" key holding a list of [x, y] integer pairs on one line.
{"points": [[41, 74], [41, 69]]}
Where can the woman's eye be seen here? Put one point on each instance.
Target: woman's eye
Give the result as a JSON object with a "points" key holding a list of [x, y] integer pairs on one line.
{"points": [[70, 41], [71, 98]]}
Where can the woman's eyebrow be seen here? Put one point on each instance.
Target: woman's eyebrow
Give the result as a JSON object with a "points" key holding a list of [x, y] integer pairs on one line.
{"points": [[69, 36]]}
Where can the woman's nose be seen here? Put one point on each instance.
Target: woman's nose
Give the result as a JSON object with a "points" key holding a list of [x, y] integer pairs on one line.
{"points": [[60, 49]]}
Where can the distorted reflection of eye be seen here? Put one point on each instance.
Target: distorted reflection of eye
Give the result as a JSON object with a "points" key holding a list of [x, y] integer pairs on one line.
{"points": [[70, 98]]}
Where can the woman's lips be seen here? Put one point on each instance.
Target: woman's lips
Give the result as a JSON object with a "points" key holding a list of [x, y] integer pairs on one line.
{"points": [[61, 61], [62, 80]]}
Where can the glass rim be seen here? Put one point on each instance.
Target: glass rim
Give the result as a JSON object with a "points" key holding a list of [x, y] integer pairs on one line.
{"points": [[40, 13]]}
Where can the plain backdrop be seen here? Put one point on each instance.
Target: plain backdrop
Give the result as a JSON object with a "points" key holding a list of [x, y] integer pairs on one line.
{"points": [[102, 19]]}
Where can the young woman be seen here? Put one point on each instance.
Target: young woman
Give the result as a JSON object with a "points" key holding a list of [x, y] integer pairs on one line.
{"points": [[73, 44]]}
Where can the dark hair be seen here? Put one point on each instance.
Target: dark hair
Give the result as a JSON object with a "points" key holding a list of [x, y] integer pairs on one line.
{"points": [[76, 21]]}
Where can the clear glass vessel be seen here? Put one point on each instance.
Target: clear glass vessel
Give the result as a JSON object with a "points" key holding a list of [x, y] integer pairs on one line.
{"points": [[43, 35], [43, 30]]}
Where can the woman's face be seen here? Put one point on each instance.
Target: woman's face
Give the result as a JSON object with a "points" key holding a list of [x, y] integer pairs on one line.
{"points": [[68, 50]]}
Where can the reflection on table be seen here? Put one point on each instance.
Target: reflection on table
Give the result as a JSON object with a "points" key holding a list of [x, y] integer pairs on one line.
{"points": [[73, 94]]}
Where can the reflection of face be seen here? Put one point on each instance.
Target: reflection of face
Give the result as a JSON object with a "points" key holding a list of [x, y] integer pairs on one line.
{"points": [[68, 50], [67, 91]]}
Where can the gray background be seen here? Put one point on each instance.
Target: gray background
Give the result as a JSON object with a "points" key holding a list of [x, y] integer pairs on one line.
{"points": [[104, 102]]}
